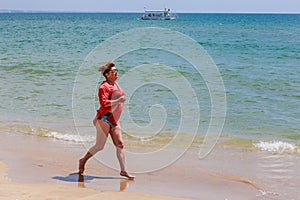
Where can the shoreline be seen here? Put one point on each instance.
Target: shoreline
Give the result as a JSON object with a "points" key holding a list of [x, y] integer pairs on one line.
{"points": [[227, 172]]}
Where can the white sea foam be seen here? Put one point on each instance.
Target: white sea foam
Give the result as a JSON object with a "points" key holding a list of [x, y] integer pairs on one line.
{"points": [[69, 137], [276, 147]]}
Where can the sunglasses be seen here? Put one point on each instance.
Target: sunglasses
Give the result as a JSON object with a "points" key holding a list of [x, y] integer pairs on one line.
{"points": [[114, 70]]}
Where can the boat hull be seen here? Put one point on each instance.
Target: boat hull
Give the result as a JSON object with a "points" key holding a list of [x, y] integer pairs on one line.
{"points": [[158, 15]]}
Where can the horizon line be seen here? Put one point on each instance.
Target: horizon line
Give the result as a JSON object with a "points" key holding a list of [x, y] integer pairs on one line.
{"points": [[182, 12]]}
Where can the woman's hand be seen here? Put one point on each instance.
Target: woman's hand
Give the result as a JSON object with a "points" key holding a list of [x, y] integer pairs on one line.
{"points": [[116, 101], [122, 99]]}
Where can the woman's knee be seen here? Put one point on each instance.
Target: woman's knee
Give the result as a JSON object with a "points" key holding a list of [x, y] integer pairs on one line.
{"points": [[116, 135], [119, 144]]}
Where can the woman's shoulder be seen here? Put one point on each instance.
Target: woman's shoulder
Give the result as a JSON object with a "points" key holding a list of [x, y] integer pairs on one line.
{"points": [[105, 85]]}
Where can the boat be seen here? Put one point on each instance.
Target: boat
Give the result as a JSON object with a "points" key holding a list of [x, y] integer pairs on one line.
{"points": [[159, 15]]}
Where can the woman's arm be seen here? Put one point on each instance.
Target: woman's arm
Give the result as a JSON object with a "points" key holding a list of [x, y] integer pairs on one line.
{"points": [[115, 102]]}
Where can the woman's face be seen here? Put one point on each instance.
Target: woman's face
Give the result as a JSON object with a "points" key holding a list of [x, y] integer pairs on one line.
{"points": [[112, 74]]}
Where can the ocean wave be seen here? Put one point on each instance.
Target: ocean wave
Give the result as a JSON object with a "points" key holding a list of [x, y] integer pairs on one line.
{"points": [[69, 137], [60, 135], [49, 133], [277, 147]]}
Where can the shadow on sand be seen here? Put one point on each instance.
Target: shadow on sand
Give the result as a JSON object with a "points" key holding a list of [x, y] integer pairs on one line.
{"points": [[82, 179]]}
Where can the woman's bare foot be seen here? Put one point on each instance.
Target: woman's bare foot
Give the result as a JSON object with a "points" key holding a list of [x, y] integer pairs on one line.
{"points": [[81, 166], [126, 174]]}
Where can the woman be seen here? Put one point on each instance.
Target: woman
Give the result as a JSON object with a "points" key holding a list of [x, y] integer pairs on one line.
{"points": [[111, 98]]}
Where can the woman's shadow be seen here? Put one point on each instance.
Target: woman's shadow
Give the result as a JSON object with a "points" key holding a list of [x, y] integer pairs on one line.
{"points": [[81, 179]]}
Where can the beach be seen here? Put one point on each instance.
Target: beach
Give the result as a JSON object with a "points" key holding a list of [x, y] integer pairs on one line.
{"points": [[47, 169], [44, 169], [226, 85], [36, 171], [10, 190]]}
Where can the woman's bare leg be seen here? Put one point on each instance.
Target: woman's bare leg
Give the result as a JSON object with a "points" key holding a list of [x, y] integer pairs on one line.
{"points": [[116, 135], [102, 129]]}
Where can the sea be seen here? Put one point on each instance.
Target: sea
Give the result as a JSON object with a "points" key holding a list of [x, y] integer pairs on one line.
{"points": [[256, 59]]}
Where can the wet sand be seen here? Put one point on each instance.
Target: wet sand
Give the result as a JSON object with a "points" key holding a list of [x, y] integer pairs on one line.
{"points": [[12, 190], [39, 167]]}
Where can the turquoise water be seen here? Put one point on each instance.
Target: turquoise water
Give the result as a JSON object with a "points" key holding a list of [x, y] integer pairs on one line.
{"points": [[258, 56]]}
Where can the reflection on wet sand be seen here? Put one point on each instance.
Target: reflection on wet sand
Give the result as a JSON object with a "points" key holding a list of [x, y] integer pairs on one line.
{"points": [[81, 179], [124, 184]]}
